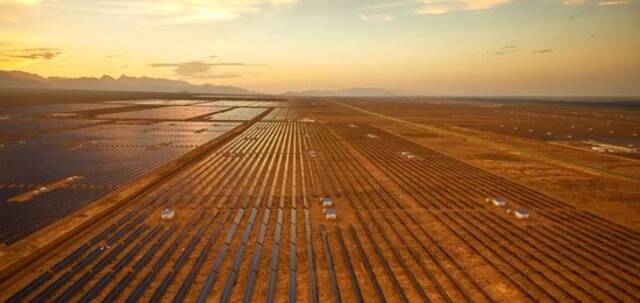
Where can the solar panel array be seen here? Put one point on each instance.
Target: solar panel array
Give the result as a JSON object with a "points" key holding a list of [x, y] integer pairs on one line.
{"points": [[239, 114], [105, 156], [149, 136], [165, 113], [38, 151], [56, 108], [20, 125], [246, 226], [155, 102], [243, 103]]}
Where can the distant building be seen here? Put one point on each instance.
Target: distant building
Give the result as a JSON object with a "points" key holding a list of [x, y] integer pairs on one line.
{"points": [[499, 201], [521, 213], [330, 214]]}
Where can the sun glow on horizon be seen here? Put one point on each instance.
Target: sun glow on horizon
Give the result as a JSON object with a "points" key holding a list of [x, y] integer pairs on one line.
{"points": [[535, 47]]}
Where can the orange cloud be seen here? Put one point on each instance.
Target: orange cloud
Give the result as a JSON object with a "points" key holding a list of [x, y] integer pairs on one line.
{"points": [[184, 11], [32, 53], [434, 7]]}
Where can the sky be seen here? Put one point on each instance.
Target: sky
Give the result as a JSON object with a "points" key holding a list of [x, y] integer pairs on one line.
{"points": [[428, 47]]}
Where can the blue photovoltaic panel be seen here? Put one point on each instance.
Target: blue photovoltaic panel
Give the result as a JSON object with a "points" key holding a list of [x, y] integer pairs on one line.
{"points": [[105, 156], [55, 108], [166, 113]]}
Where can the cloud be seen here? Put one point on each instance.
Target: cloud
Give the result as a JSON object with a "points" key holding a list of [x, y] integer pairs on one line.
{"points": [[613, 2], [599, 3], [543, 51], [573, 2], [219, 76], [184, 11], [16, 10], [20, 2], [436, 7], [33, 53], [505, 50], [510, 49], [394, 4], [376, 17], [202, 70]]}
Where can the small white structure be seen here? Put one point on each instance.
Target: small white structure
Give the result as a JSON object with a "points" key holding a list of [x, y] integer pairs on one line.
{"points": [[499, 201], [330, 214], [168, 214], [372, 136], [326, 201], [610, 148], [521, 213], [64, 115], [407, 154], [40, 190]]}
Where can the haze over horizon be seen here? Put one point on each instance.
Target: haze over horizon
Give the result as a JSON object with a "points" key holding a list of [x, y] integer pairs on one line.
{"points": [[461, 47]]}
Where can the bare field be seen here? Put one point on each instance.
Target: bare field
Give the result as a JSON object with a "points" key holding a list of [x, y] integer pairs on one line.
{"points": [[413, 223]]}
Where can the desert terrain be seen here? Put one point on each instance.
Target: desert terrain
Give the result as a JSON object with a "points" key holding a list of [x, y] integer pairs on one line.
{"points": [[185, 198]]}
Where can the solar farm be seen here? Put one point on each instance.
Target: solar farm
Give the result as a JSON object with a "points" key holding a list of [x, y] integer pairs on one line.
{"points": [[310, 200]]}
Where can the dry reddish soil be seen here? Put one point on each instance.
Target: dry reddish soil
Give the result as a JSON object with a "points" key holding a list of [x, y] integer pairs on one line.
{"points": [[412, 221]]}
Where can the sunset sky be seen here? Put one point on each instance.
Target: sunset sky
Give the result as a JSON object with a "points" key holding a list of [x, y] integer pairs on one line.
{"points": [[433, 47]]}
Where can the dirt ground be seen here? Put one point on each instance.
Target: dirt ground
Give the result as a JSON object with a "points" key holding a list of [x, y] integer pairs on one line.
{"points": [[410, 188], [583, 178]]}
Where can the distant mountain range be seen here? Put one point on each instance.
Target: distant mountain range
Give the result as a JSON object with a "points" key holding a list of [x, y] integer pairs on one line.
{"points": [[18, 79], [351, 92]]}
